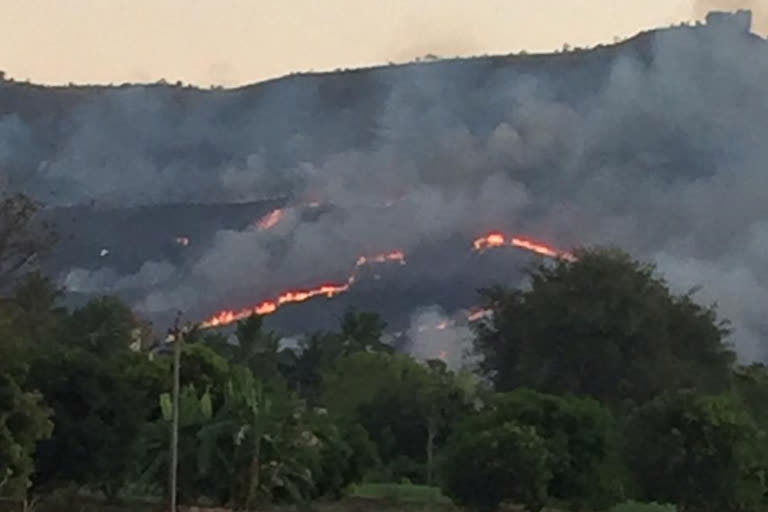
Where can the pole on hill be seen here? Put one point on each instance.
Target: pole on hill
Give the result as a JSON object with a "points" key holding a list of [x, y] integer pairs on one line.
{"points": [[178, 335]]}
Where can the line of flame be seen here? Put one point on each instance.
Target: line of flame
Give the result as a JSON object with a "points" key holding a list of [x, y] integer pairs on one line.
{"points": [[496, 239], [491, 240], [291, 296]]}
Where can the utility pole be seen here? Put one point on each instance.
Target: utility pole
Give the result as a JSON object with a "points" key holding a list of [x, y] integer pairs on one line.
{"points": [[177, 336]]}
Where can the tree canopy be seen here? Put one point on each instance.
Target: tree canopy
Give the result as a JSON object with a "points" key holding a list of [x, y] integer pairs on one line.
{"points": [[606, 326], [596, 384]]}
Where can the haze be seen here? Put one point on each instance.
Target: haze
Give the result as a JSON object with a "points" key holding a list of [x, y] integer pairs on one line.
{"points": [[240, 41]]}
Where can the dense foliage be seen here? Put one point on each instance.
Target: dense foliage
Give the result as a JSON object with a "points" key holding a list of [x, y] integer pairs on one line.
{"points": [[596, 385]]}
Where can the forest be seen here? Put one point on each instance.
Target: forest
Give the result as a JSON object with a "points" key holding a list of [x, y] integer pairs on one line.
{"points": [[593, 388]]}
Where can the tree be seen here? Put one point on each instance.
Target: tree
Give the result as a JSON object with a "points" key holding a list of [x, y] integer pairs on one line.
{"points": [[255, 348], [578, 434], [358, 332], [605, 326], [362, 332], [100, 407], [407, 408], [34, 310], [104, 326], [24, 238], [505, 463], [24, 421], [251, 447], [751, 388], [701, 452]]}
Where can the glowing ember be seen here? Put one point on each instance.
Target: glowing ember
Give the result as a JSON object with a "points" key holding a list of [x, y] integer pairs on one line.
{"points": [[488, 241], [492, 240], [182, 241], [476, 315], [329, 290], [382, 258], [269, 220]]}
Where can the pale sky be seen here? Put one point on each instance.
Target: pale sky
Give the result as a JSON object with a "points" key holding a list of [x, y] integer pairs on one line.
{"points": [[233, 42]]}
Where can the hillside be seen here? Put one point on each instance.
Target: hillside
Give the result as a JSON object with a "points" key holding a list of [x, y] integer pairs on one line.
{"points": [[651, 144]]}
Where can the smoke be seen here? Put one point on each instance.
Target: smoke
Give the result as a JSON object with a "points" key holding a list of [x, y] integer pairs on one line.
{"points": [[434, 335], [758, 7], [656, 147]]}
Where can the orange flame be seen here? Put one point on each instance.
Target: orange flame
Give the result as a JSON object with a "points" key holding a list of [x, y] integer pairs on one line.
{"points": [[270, 306], [269, 220], [477, 314], [491, 240], [328, 289], [496, 239]]}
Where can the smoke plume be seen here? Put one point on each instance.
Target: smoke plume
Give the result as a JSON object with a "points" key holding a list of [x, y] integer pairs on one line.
{"points": [[434, 335], [656, 146]]}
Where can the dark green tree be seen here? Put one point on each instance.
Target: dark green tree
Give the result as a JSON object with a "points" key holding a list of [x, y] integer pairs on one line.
{"points": [[104, 326], [702, 453], [100, 407], [362, 332], [407, 408], [317, 352], [579, 435], [506, 463], [751, 388], [605, 326], [24, 421]]}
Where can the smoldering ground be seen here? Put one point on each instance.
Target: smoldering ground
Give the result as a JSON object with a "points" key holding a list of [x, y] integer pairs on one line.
{"points": [[655, 146]]}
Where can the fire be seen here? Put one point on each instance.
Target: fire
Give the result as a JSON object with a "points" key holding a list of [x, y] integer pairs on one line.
{"points": [[269, 220], [488, 241], [478, 314], [182, 241], [491, 240], [270, 306], [496, 239], [328, 290]]}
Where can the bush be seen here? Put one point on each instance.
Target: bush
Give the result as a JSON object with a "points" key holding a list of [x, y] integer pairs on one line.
{"points": [[507, 463]]}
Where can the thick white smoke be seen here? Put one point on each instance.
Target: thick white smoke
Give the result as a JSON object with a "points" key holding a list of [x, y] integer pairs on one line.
{"points": [[435, 335]]}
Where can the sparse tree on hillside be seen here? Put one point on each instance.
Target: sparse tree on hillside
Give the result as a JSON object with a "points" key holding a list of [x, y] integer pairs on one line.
{"points": [[23, 238], [605, 326]]}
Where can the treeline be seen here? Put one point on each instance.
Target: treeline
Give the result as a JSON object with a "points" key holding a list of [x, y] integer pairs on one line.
{"points": [[595, 385]]}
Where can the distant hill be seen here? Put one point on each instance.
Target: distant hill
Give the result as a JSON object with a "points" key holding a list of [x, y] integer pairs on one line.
{"points": [[652, 144]]}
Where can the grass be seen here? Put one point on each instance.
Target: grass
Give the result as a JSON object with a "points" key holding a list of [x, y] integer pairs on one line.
{"points": [[402, 493], [367, 497], [633, 506]]}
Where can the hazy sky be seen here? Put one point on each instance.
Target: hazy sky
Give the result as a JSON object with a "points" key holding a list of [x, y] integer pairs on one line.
{"points": [[233, 42]]}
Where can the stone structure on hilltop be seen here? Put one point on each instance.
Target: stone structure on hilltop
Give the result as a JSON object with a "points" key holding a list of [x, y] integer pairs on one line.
{"points": [[740, 20]]}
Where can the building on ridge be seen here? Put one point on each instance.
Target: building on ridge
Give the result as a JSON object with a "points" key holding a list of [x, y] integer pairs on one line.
{"points": [[740, 20]]}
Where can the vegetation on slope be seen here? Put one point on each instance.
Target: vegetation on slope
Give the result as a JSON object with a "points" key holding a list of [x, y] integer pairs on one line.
{"points": [[597, 386]]}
